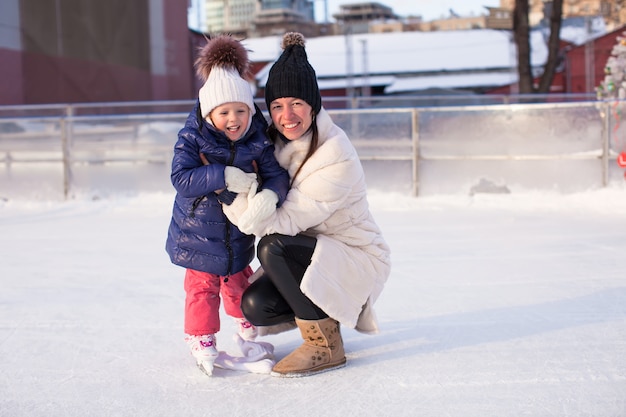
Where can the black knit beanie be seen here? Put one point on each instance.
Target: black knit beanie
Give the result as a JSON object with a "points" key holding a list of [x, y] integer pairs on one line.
{"points": [[292, 75]]}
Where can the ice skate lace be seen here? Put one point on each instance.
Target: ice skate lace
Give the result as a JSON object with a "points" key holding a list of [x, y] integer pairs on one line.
{"points": [[198, 343], [246, 329]]}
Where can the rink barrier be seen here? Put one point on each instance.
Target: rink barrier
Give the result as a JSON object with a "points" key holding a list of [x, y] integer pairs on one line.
{"points": [[144, 133]]}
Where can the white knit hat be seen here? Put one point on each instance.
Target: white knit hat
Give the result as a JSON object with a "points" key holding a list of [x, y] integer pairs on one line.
{"points": [[224, 85], [221, 64]]}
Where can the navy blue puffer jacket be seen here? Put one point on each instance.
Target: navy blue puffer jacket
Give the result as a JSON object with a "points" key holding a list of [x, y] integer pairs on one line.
{"points": [[200, 236]]}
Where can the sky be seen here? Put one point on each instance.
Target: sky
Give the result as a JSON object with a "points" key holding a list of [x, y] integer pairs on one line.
{"points": [[428, 9], [497, 305]]}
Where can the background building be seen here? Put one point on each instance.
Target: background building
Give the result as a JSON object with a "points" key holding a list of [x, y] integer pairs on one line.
{"points": [[359, 16], [255, 18], [229, 16], [258, 18], [92, 51], [456, 22], [612, 11], [276, 17]]}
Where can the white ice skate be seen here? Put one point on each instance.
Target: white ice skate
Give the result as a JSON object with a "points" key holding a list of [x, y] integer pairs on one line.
{"points": [[246, 330], [204, 350]]}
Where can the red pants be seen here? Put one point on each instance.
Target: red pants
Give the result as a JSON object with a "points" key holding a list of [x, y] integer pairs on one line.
{"points": [[202, 302]]}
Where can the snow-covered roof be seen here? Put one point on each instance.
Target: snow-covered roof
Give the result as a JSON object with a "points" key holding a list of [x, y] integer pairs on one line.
{"points": [[447, 81], [424, 55], [357, 81], [398, 52]]}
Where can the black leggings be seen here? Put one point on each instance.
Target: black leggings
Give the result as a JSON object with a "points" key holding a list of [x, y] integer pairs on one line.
{"points": [[276, 297]]}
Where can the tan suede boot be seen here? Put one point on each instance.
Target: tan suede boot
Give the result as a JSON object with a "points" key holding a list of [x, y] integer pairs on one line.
{"points": [[321, 351]]}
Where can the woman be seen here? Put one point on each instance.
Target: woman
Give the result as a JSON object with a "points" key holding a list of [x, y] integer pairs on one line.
{"points": [[323, 257]]}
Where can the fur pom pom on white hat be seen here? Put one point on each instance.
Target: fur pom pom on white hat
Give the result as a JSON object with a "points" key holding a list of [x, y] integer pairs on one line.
{"points": [[222, 65]]}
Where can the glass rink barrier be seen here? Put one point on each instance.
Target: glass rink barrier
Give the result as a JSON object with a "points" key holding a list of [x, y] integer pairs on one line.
{"points": [[96, 150]]}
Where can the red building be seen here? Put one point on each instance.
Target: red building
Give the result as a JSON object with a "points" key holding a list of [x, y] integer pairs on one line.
{"points": [[585, 63], [74, 51], [583, 66]]}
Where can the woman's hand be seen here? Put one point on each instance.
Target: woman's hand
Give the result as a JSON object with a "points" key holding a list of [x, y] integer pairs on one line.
{"points": [[260, 207]]}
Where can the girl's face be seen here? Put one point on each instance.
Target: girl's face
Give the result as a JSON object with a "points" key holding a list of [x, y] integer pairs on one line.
{"points": [[291, 116], [231, 118]]}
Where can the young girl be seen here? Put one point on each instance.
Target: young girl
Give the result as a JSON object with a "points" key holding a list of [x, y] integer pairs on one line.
{"points": [[219, 153]]}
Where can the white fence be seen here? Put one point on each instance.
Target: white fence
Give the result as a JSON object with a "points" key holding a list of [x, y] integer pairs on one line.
{"points": [[65, 151]]}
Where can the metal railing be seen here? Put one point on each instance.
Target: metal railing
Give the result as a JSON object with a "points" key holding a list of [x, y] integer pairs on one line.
{"points": [[441, 149]]}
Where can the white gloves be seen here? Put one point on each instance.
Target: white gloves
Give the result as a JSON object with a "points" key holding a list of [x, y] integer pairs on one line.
{"points": [[260, 207], [258, 357], [238, 181], [255, 351], [236, 208]]}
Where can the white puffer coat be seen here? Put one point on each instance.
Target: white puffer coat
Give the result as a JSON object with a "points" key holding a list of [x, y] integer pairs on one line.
{"points": [[328, 200]]}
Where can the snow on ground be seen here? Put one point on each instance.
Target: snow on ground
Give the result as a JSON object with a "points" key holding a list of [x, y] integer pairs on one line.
{"points": [[497, 305]]}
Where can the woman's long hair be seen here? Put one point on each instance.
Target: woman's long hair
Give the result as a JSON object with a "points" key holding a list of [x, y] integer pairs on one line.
{"points": [[273, 133]]}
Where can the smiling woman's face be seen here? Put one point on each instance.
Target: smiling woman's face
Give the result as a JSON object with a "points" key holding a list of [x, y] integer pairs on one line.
{"points": [[291, 116]]}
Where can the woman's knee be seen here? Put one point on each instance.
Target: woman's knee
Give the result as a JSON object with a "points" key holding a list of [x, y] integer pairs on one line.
{"points": [[250, 306], [299, 247], [268, 246], [262, 304]]}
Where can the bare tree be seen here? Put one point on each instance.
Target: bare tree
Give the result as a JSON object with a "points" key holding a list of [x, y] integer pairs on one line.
{"points": [[521, 32]]}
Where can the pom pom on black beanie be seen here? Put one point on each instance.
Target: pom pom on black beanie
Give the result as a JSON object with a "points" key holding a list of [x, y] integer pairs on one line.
{"points": [[292, 75]]}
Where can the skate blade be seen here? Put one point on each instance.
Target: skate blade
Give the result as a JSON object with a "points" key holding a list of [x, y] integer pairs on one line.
{"points": [[206, 366]]}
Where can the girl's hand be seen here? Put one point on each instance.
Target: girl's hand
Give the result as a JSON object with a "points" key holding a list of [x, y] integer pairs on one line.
{"points": [[238, 181], [206, 162]]}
